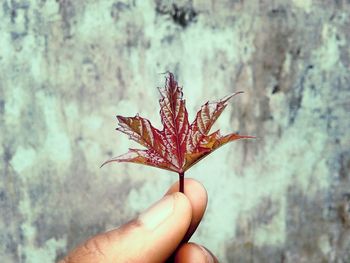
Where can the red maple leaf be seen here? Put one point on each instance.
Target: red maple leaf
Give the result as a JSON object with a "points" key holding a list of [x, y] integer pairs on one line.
{"points": [[179, 145]]}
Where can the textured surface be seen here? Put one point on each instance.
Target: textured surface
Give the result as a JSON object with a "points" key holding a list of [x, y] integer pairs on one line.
{"points": [[68, 67]]}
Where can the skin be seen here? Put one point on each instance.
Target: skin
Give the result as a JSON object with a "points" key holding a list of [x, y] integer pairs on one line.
{"points": [[159, 234]]}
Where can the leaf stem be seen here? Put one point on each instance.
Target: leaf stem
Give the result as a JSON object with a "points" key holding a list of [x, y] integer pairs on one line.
{"points": [[181, 182]]}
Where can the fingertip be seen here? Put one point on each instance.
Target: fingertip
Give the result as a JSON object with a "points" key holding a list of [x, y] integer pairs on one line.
{"points": [[182, 205], [198, 197], [196, 194]]}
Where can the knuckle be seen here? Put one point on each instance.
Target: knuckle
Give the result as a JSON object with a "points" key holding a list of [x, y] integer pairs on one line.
{"points": [[92, 250], [95, 246]]}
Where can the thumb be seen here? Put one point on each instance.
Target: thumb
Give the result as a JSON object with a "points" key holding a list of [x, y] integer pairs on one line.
{"points": [[152, 237]]}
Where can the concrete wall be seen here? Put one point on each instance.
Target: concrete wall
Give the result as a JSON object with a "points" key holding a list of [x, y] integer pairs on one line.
{"points": [[68, 67]]}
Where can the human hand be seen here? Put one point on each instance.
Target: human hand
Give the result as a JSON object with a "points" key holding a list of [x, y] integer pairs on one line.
{"points": [[158, 234]]}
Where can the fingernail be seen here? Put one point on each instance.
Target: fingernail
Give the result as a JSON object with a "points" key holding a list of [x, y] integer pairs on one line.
{"points": [[158, 212]]}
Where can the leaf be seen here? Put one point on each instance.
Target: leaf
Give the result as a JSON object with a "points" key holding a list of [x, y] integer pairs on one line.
{"points": [[179, 145], [205, 119]]}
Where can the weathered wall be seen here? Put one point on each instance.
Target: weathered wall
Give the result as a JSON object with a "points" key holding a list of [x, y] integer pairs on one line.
{"points": [[68, 67]]}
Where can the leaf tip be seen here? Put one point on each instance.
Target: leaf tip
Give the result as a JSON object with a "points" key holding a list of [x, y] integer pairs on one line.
{"points": [[115, 159], [104, 163], [225, 99]]}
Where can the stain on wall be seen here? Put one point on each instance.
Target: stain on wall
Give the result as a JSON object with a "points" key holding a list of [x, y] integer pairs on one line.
{"points": [[68, 67]]}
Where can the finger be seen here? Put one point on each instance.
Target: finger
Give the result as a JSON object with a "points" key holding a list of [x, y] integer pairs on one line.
{"points": [[191, 252], [198, 197], [152, 237]]}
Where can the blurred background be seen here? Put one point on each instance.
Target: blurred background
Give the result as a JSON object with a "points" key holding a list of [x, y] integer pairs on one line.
{"points": [[69, 67]]}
